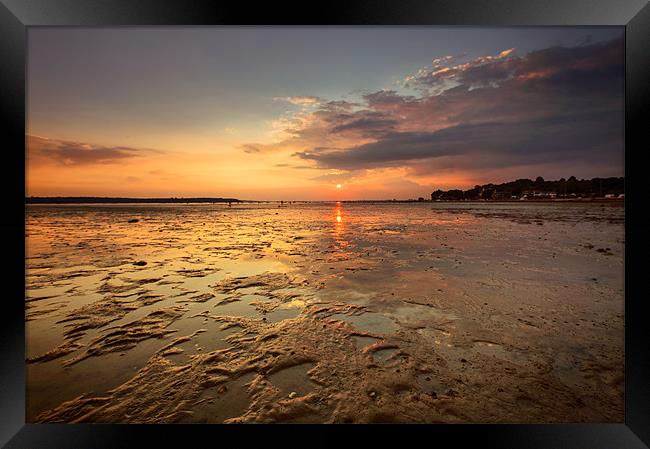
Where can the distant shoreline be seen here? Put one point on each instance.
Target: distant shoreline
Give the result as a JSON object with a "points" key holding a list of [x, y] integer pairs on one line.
{"points": [[118, 200]]}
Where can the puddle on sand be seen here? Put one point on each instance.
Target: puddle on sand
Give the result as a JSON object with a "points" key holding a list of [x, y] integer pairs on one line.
{"points": [[280, 314], [361, 342], [418, 313], [382, 355], [222, 402], [293, 379], [95, 374], [203, 342], [240, 307], [369, 322], [245, 306]]}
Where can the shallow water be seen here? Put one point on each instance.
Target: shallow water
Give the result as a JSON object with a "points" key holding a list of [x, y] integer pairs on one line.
{"points": [[516, 309]]}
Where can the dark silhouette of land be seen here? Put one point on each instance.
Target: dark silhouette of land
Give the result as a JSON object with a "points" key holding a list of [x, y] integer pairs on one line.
{"points": [[100, 200], [538, 189]]}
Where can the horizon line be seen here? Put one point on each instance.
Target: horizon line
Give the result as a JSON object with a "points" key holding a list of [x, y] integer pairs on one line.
{"points": [[231, 199]]}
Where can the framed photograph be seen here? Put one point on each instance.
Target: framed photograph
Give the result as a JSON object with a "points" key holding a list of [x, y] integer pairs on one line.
{"points": [[417, 213]]}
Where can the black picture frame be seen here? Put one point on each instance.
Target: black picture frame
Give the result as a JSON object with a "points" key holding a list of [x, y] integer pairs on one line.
{"points": [[16, 16]]}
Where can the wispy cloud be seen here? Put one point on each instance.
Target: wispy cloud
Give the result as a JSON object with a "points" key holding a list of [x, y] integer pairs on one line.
{"points": [[251, 148], [300, 100], [72, 153]]}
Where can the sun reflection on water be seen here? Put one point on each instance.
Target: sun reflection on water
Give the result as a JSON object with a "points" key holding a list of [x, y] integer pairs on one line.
{"points": [[339, 230], [338, 214]]}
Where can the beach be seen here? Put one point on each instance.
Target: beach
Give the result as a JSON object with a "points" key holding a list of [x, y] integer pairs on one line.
{"points": [[325, 312]]}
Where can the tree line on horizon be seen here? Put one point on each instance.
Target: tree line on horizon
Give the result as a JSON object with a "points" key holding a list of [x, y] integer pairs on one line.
{"points": [[572, 187]]}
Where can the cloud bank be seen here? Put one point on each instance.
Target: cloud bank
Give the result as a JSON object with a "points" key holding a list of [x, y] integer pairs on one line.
{"points": [[555, 106]]}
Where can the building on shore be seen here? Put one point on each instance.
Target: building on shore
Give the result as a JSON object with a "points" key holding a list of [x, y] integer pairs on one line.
{"points": [[538, 194]]}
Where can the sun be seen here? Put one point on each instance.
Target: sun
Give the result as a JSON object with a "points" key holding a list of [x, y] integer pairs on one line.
{"points": [[338, 186]]}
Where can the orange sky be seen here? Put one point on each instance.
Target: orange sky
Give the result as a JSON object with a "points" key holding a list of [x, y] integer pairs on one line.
{"points": [[228, 172], [288, 114]]}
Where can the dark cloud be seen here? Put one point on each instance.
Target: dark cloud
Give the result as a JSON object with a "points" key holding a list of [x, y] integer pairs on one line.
{"points": [[556, 105], [372, 124], [78, 153], [340, 105], [387, 99], [552, 65], [566, 137]]}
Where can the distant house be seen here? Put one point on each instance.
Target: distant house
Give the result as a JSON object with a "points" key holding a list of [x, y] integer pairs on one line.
{"points": [[539, 194]]}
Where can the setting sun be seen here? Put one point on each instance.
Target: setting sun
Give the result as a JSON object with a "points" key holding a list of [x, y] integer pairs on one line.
{"points": [[338, 186]]}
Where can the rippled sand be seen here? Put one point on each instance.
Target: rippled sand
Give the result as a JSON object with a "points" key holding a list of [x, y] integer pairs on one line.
{"points": [[416, 312]]}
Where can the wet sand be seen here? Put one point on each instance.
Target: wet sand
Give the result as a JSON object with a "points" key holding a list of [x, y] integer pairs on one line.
{"points": [[325, 313]]}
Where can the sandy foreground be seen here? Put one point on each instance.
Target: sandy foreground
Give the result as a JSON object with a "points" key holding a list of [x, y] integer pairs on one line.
{"points": [[416, 312]]}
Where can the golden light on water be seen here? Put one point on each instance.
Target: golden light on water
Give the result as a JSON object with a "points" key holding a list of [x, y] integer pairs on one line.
{"points": [[337, 210], [339, 231]]}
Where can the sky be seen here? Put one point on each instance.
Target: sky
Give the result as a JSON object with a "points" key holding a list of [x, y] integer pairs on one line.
{"points": [[318, 113]]}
